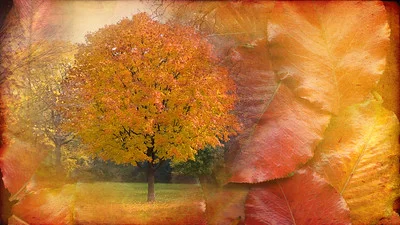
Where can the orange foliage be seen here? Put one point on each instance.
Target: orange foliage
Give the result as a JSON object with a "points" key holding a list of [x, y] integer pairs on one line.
{"points": [[141, 88]]}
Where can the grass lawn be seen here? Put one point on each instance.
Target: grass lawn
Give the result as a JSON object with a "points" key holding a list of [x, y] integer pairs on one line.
{"points": [[113, 203], [136, 192]]}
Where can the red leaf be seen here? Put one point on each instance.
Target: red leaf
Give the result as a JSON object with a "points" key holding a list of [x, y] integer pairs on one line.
{"points": [[18, 164], [305, 198], [281, 130]]}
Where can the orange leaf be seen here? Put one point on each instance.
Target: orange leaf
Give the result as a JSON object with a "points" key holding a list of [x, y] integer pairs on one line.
{"points": [[303, 199], [359, 157], [320, 58]]}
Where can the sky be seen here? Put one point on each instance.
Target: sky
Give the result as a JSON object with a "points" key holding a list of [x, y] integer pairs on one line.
{"points": [[77, 18]]}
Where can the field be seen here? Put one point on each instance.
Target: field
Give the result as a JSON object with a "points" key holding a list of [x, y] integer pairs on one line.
{"points": [[113, 203]]}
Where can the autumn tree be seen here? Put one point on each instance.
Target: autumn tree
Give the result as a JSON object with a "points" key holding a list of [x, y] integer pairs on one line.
{"points": [[143, 91]]}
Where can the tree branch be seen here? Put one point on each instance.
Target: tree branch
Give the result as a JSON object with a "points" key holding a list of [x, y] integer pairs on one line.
{"points": [[49, 135]]}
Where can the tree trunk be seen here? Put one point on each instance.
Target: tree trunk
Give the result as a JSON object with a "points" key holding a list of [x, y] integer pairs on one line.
{"points": [[151, 197], [58, 157]]}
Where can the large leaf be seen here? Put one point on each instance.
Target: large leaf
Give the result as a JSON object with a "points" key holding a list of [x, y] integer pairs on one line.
{"points": [[342, 45], [271, 145], [359, 157], [325, 56], [303, 199]]}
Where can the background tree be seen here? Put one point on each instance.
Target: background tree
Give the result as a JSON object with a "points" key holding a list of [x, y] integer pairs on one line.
{"points": [[204, 165], [142, 91], [22, 24], [32, 93]]}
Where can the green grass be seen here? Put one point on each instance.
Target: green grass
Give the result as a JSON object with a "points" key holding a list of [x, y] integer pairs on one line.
{"points": [[110, 192], [126, 203], [113, 203]]}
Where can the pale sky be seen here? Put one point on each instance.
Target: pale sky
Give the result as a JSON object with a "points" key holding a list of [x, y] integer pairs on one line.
{"points": [[79, 17]]}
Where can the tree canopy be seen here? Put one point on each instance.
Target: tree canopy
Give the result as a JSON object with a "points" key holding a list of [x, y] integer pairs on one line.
{"points": [[146, 91]]}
